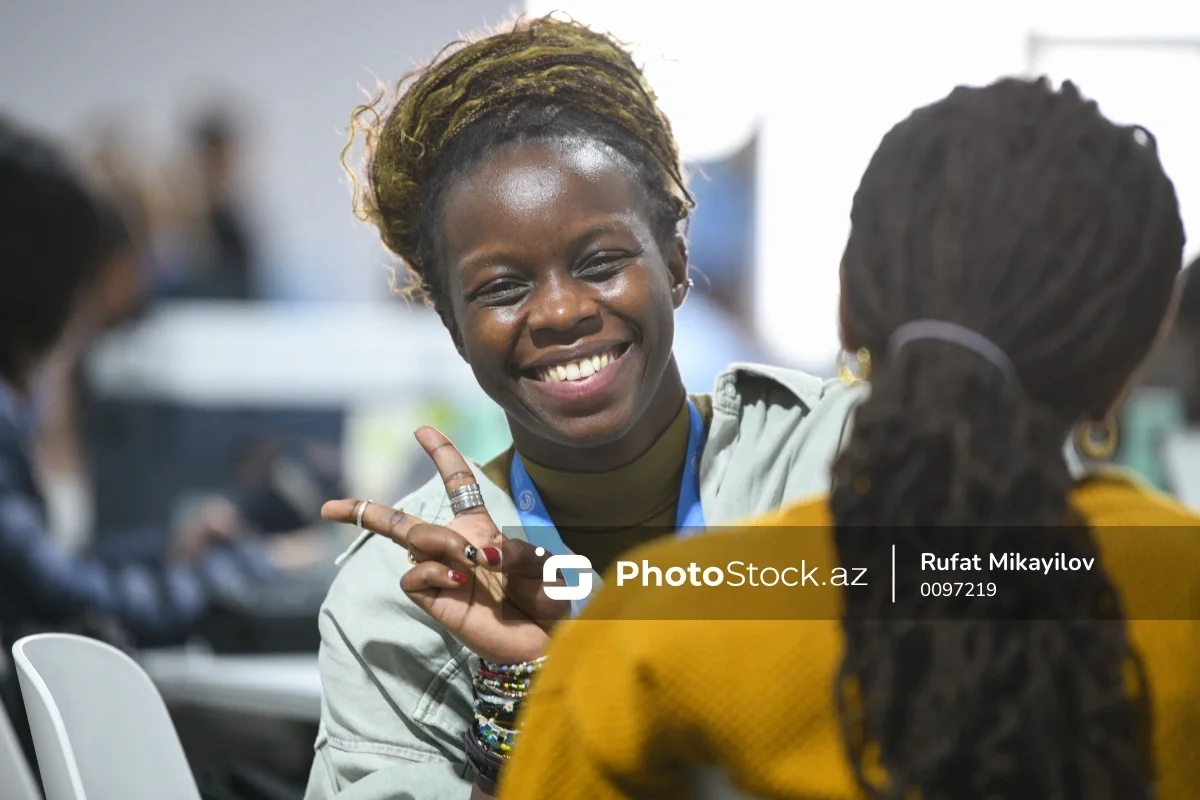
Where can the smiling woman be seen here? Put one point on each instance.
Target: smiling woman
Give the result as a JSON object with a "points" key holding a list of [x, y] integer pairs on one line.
{"points": [[532, 190], [555, 254]]}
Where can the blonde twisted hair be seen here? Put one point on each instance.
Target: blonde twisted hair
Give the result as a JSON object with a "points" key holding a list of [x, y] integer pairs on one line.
{"points": [[539, 62]]}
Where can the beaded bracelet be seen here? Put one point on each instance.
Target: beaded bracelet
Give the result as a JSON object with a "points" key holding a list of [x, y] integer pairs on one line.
{"points": [[519, 688], [499, 692], [504, 714], [515, 670], [494, 736]]}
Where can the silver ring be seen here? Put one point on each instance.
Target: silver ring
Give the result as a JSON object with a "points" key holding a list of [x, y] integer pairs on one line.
{"points": [[464, 498], [361, 509]]}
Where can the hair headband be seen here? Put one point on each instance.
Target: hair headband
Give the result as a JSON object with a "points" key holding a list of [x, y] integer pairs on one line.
{"points": [[923, 329]]}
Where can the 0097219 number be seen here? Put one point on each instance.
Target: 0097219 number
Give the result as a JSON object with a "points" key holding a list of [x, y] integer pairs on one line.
{"points": [[958, 589]]}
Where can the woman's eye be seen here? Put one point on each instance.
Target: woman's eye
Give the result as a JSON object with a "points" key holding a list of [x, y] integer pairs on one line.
{"points": [[603, 264], [500, 290]]}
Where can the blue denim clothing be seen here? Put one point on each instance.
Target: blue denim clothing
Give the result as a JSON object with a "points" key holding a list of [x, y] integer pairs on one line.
{"points": [[41, 585]]}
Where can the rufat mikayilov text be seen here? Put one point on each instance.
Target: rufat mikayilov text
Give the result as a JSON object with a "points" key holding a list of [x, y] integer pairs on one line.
{"points": [[1005, 562], [739, 573]]}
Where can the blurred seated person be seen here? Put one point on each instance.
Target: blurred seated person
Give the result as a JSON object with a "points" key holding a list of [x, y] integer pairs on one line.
{"points": [[50, 251], [1011, 263], [115, 294], [279, 490]]}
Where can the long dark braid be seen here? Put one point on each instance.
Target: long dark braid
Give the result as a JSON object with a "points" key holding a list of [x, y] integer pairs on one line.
{"points": [[1019, 212]]}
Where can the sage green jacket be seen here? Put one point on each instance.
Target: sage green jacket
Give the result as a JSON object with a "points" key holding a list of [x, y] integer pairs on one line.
{"points": [[397, 688]]}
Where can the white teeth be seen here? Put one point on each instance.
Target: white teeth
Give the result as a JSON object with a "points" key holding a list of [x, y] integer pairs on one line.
{"points": [[584, 368]]}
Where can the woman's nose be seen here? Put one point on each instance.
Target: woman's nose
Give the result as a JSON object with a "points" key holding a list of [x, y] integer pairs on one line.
{"points": [[561, 304]]}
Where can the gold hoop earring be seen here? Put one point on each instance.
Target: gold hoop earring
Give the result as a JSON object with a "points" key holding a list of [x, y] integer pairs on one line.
{"points": [[1097, 440], [849, 376]]}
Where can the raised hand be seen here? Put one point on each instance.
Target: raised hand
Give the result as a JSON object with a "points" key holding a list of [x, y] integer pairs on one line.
{"points": [[482, 587]]}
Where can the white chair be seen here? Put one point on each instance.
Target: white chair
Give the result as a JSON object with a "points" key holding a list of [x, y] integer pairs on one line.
{"points": [[100, 728], [16, 778]]}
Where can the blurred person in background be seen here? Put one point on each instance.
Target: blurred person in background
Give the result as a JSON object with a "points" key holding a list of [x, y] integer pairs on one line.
{"points": [[1011, 263], [532, 188], [115, 295], [278, 489], [112, 169], [53, 246], [213, 253], [149, 203]]}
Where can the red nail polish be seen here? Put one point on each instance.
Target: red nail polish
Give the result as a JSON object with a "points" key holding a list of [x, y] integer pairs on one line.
{"points": [[492, 554], [457, 576]]}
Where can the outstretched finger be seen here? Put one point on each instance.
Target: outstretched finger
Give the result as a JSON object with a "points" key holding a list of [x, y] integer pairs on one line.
{"points": [[454, 469], [376, 517]]}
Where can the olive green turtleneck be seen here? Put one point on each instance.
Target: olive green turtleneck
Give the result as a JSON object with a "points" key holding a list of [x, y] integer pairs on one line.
{"points": [[602, 514]]}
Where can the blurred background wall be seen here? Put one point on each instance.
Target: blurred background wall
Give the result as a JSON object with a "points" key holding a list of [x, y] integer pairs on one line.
{"points": [[290, 72]]}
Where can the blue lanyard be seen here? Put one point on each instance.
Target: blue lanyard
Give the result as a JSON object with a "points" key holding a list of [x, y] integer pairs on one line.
{"points": [[689, 515]]}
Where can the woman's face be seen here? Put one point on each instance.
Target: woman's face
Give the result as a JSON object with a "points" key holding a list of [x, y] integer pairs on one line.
{"points": [[559, 290]]}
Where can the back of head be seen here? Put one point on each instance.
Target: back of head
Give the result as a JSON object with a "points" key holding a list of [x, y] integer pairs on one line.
{"points": [[49, 241], [1023, 214]]}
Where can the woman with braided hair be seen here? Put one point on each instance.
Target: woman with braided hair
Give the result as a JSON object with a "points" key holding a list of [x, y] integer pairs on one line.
{"points": [[533, 191], [1012, 260]]}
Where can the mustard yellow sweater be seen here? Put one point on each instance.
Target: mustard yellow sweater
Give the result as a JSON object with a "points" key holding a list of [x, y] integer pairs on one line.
{"points": [[649, 685]]}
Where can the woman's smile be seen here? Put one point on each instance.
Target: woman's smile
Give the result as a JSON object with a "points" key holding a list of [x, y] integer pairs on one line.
{"points": [[579, 375]]}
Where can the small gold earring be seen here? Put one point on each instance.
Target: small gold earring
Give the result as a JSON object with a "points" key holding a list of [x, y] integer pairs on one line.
{"points": [[851, 377], [1097, 440]]}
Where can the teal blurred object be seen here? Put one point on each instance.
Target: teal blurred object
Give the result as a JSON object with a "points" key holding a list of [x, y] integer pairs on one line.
{"points": [[1146, 419], [483, 430]]}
